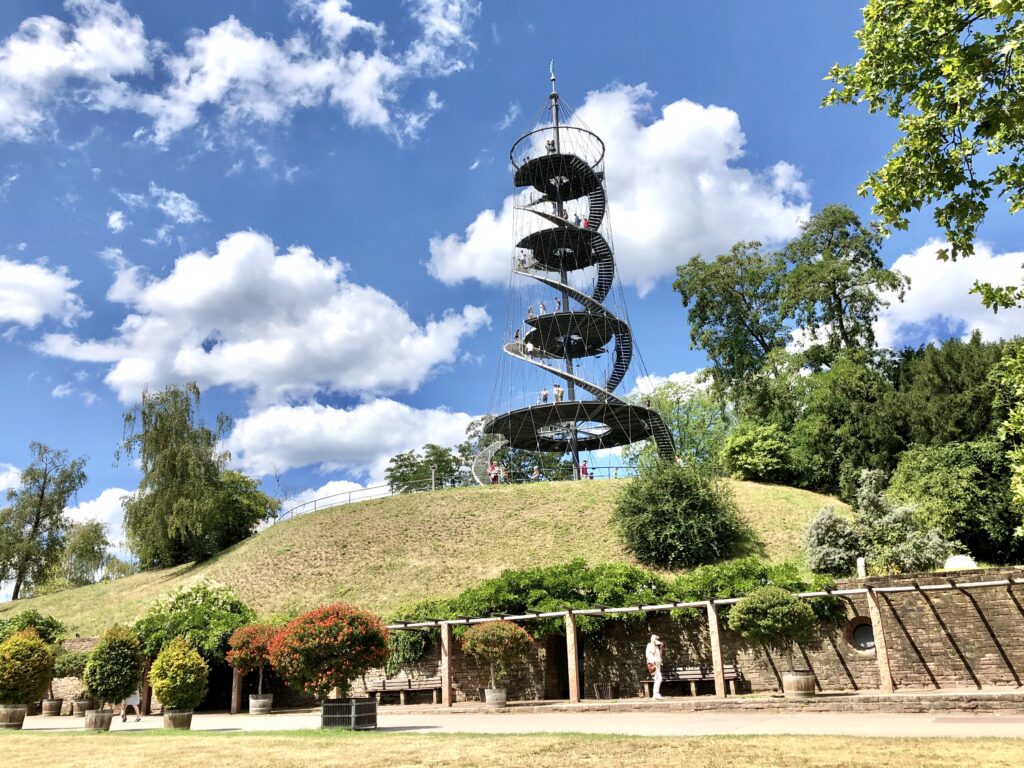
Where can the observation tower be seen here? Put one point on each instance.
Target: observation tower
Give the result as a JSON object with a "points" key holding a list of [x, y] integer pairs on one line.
{"points": [[573, 329]]}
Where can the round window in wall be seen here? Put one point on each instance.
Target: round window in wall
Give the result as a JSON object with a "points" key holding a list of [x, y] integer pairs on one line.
{"points": [[860, 634]]}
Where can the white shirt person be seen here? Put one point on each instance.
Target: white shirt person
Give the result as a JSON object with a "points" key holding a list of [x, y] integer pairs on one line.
{"points": [[653, 653]]}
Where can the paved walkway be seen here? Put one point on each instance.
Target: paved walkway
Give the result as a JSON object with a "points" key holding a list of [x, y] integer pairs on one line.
{"points": [[649, 723]]}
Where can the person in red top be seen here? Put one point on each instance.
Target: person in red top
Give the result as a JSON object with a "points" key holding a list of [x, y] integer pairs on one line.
{"points": [[583, 470]]}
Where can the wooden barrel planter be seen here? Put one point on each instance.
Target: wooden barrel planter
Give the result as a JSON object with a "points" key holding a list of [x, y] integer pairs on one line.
{"points": [[606, 690], [798, 684], [352, 714], [52, 707], [12, 716], [261, 705], [496, 697], [178, 718], [79, 706], [98, 719]]}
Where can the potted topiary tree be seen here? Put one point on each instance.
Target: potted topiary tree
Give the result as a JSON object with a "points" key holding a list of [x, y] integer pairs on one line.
{"points": [[777, 619], [113, 673], [26, 669], [178, 677], [50, 631], [497, 644], [71, 665], [250, 652], [326, 649]]}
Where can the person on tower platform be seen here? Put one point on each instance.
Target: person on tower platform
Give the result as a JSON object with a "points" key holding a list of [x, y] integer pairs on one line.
{"points": [[543, 396], [558, 391]]}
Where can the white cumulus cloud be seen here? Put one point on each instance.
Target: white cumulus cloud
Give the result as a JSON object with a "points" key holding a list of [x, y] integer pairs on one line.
{"points": [[31, 292], [674, 187], [360, 439], [939, 296], [10, 477], [283, 324], [116, 221], [331, 57]]}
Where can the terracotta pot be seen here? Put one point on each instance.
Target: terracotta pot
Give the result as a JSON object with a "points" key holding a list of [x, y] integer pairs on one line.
{"points": [[98, 719], [798, 684], [261, 704], [52, 707], [12, 716], [496, 697], [178, 718]]}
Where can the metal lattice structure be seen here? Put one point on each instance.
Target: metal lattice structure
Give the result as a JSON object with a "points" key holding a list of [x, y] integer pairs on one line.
{"points": [[564, 247]]}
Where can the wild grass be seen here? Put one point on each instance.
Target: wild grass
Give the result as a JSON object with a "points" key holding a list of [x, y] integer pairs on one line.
{"points": [[298, 749], [385, 553]]}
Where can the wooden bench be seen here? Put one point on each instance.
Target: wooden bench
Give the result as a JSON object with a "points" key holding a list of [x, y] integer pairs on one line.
{"points": [[404, 686], [692, 675]]}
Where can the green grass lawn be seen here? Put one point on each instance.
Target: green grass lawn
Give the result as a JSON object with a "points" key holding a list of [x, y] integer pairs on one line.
{"points": [[299, 749], [385, 553]]}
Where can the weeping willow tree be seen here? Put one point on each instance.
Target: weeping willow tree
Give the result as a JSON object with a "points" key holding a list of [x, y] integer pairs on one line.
{"points": [[188, 506]]}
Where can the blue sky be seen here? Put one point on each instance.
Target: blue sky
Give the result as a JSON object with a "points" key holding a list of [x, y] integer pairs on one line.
{"points": [[300, 205]]}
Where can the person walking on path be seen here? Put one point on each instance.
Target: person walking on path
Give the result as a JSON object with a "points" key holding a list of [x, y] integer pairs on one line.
{"points": [[493, 471], [135, 700], [654, 664]]}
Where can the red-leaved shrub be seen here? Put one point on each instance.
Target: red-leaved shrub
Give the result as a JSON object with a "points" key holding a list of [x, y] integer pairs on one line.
{"points": [[329, 647], [250, 649]]}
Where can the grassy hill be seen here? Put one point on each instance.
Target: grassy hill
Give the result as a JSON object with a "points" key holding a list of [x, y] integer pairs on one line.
{"points": [[385, 553]]}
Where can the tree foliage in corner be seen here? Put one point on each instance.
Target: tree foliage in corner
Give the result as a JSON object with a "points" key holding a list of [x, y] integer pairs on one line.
{"points": [[1009, 379], [34, 526], [950, 73], [188, 507], [674, 516]]}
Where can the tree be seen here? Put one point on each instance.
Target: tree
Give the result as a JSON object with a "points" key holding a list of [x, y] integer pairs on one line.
{"points": [[734, 305], [963, 490], [329, 647], [34, 526], [774, 617], [950, 73], [179, 676], [1009, 379], [26, 668], [757, 452], [412, 471], [673, 516], [842, 428], [836, 282], [944, 393], [114, 670], [498, 644], [187, 507], [85, 553], [250, 650], [699, 420]]}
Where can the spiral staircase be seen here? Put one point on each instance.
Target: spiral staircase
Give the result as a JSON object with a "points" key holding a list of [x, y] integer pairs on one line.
{"points": [[582, 327]]}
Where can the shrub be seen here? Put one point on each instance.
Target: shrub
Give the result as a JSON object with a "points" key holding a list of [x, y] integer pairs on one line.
{"points": [[114, 670], [179, 676], [204, 613], [49, 629], [774, 617], [742, 576], [329, 648], [250, 649], [26, 668], [833, 543], [497, 644], [963, 490], [757, 452], [71, 664], [675, 517], [895, 539]]}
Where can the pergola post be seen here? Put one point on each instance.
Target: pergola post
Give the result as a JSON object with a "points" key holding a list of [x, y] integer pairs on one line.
{"points": [[236, 691], [716, 650], [446, 664], [146, 697], [885, 681], [571, 650]]}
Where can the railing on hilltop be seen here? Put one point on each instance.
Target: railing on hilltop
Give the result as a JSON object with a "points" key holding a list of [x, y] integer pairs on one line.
{"points": [[464, 479]]}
